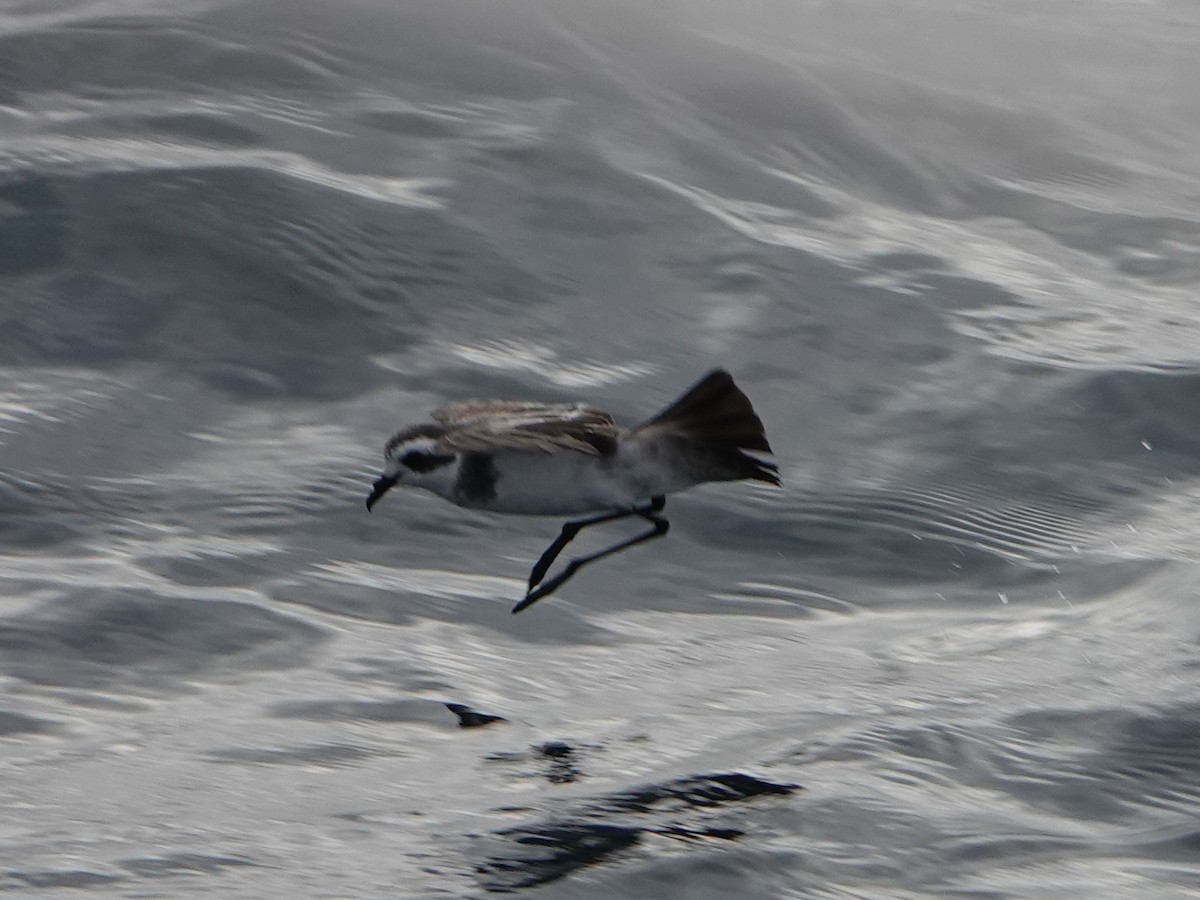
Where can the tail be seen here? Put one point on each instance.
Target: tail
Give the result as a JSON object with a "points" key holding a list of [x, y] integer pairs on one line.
{"points": [[718, 421]]}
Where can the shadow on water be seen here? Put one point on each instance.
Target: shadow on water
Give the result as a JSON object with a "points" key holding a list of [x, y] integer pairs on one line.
{"points": [[598, 830]]}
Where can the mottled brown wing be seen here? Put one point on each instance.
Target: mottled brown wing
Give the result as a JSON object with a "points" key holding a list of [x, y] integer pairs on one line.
{"points": [[483, 425]]}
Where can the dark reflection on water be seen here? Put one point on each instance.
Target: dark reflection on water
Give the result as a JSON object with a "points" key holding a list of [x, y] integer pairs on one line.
{"points": [[547, 851]]}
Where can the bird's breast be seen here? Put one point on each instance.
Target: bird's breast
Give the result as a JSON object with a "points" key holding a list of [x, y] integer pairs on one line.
{"points": [[561, 483]]}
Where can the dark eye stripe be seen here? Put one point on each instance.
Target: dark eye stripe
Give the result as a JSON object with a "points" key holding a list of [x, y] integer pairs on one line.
{"points": [[420, 461]]}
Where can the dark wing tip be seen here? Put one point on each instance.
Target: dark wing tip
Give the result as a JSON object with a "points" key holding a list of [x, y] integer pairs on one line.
{"points": [[755, 469], [714, 411], [770, 474]]}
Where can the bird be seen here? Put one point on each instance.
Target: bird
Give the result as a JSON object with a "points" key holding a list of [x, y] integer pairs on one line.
{"points": [[568, 459]]}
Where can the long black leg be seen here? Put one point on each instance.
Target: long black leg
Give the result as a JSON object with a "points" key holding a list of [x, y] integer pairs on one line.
{"points": [[571, 529], [660, 528]]}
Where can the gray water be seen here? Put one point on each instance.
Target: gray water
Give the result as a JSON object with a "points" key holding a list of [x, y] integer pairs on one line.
{"points": [[951, 250]]}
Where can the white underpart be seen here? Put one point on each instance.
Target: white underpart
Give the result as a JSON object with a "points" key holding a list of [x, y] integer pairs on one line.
{"points": [[566, 482]]}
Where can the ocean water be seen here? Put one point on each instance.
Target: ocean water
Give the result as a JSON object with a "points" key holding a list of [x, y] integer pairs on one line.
{"points": [[951, 250]]}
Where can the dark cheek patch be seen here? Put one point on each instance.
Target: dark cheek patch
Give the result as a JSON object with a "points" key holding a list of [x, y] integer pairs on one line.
{"points": [[477, 479], [422, 462]]}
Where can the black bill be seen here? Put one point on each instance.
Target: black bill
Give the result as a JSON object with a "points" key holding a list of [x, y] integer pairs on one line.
{"points": [[381, 487]]}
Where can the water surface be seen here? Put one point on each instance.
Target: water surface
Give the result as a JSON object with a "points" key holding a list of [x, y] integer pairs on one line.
{"points": [[951, 252]]}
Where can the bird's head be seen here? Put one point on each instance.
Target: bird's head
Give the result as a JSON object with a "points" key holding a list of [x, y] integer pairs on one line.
{"points": [[415, 457]]}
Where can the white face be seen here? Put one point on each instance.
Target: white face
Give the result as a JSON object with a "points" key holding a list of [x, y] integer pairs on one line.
{"points": [[417, 461]]}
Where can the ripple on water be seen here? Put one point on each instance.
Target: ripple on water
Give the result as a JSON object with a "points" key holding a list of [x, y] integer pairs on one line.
{"points": [[325, 755], [1124, 761], [14, 723], [138, 641], [387, 712], [400, 595], [1104, 766]]}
